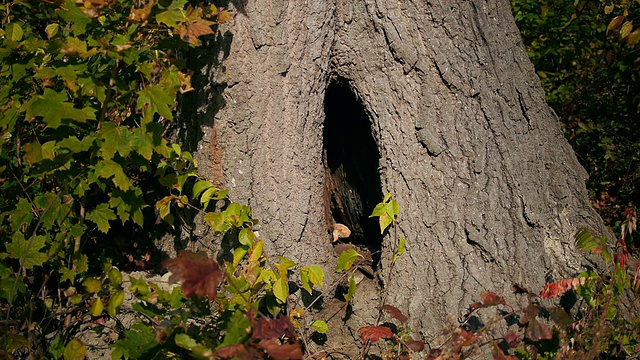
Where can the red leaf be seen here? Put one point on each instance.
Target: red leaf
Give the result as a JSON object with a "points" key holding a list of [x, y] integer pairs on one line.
{"points": [[537, 331], [415, 345], [529, 313], [374, 333], [491, 299], [274, 328], [200, 276], [237, 351], [512, 338], [278, 351], [395, 313]]}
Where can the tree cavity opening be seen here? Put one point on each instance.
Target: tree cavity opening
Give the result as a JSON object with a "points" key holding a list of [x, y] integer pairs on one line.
{"points": [[351, 161]]}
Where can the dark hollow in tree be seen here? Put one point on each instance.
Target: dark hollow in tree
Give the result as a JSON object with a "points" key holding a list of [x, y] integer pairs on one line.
{"points": [[351, 163]]}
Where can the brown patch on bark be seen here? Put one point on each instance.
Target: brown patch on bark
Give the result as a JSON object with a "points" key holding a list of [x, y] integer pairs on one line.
{"points": [[216, 155]]}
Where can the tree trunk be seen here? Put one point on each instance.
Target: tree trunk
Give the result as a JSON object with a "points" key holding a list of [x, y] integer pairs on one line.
{"points": [[312, 111]]}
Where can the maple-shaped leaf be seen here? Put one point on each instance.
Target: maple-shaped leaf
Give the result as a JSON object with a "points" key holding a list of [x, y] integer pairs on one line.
{"points": [[53, 108], [157, 100], [114, 139], [529, 313], [512, 338], [395, 313], [239, 352], [276, 328], [27, 251], [200, 276], [536, 331], [101, 216], [194, 26], [374, 333], [279, 351]]}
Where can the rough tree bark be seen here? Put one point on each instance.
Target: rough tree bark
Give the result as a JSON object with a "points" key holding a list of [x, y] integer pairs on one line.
{"points": [[312, 110]]}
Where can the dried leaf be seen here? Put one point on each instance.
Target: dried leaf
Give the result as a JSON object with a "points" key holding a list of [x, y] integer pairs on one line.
{"points": [[415, 345], [374, 333], [274, 328], [199, 275], [512, 338], [278, 351], [560, 317], [237, 351], [491, 299], [395, 313], [536, 331], [224, 16], [615, 23], [529, 313]]}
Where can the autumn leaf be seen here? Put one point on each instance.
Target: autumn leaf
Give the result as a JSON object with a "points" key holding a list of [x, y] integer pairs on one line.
{"points": [[199, 275], [278, 351], [277, 337], [395, 313], [414, 345], [491, 299], [536, 331], [374, 333], [273, 328]]}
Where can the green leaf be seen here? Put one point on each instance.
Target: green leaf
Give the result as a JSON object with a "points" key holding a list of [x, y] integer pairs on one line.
{"points": [[67, 274], [137, 342], [109, 168], [96, 307], [400, 251], [51, 30], [311, 275], [346, 259], [352, 289], [53, 108], [56, 347], [115, 276], [246, 237], [239, 254], [115, 301], [156, 100], [185, 341], [27, 251], [286, 262], [101, 216], [114, 139], [21, 215], [281, 290], [14, 31], [199, 187], [92, 285], [320, 326], [164, 207], [75, 350], [236, 331]]}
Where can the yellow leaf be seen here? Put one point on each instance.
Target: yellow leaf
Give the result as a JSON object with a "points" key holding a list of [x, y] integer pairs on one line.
{"points": [[224, 16], [609, 9], [626, 29], [634, 37], [96, 308]]}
